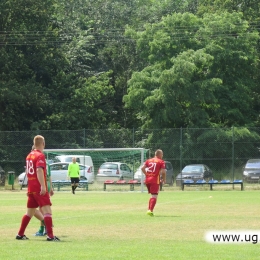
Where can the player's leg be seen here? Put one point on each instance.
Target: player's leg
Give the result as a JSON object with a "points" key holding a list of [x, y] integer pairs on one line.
{"points": [[31, 207], [154, 190], [76, 184], [72, 185], [47, 213], [24, 223], [152, 201], [38, 214], [148, 186]]}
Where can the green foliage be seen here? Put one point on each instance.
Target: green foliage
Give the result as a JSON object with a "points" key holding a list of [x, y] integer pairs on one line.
{"points": [[195, 80], [250, 9], [27, 63], [234, 55], [86, 103], [200, 60]]}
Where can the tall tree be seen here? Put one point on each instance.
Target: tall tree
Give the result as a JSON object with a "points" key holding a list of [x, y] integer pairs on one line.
{"points": [[249, 9], [201, 72], [27, 56], [46, 68]]}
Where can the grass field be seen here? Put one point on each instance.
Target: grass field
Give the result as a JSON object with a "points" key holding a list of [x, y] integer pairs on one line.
{"points": [[114, 225]]}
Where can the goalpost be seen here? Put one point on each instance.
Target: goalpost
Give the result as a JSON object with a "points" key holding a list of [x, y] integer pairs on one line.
{"points": [[133, 157]]}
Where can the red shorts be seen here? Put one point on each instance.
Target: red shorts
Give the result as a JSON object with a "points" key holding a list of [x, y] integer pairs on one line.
{"points": [[36, 200], [153, 188]]}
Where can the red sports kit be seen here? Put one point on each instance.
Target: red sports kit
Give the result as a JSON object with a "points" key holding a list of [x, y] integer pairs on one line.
{"points": [[34, 160], [153, 168]]}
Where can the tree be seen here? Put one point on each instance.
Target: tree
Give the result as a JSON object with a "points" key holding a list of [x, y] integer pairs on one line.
{"points": [[229, 39], [249, 9], [46, 69], [87, 106], [196, 72], [26, 62]]}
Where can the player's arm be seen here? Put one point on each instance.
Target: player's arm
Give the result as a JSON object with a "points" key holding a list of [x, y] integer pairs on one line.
{"points": [[49, 181], [51, 189], [143, 169], [163, 173], [40, 176]]}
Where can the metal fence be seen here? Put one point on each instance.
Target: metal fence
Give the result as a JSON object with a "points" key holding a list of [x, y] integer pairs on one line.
{"points": [[224, 150]]}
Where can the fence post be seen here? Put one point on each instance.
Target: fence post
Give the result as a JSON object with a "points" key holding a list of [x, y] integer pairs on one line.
{"points": [[133, 137], [142, 178], [233, 155], [84, 137], [181, 150]]}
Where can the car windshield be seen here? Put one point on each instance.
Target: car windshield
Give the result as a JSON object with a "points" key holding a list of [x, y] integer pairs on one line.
{"points": [[253, 165], [192, 169], [59, 166], [109, 166], [252, 168]]}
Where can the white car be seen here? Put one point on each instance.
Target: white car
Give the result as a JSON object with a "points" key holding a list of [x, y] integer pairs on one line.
{"points": [[59, 172], [139, 174], [114, 171]]}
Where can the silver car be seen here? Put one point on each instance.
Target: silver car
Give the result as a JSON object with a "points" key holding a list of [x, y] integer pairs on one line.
{"points": [[194, 172], [114, 171], [251, 171]]}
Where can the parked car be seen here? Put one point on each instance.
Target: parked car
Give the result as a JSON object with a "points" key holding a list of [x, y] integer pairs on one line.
{"points": [[169, 173], [59, 171], [251, 172], [194, 172], [114, 171]]}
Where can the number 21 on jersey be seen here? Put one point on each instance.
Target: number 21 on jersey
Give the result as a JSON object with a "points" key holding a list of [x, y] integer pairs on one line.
{"points": [[151, 167]]}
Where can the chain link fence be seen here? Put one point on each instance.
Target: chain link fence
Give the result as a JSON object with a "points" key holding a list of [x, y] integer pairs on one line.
{"points": [[224, 150]]}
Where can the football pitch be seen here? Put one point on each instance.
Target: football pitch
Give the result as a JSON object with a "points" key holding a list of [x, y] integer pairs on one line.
{"points": [[114, 225]]}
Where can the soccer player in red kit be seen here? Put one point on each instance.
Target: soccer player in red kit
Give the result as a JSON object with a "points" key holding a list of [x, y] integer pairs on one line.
{"points": [[152, 169], [37, 193]]}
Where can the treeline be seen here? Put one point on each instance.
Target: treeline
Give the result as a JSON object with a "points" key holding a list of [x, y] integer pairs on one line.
{"points": [[99, 64]]}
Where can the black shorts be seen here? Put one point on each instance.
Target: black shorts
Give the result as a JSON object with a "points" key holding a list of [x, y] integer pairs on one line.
{"points": [[74, 180]]}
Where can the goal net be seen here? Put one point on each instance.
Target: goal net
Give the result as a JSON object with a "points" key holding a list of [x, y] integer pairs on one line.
{"points": [[132, 157]]}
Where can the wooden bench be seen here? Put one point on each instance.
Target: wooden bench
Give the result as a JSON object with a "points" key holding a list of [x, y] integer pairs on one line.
{"points": [[211, 183], [132, 183], [82, 184]]}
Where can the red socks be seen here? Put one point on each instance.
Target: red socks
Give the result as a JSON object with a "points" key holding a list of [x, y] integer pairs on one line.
{"points": [[47, 220], [152, 203], [25, 221], [48, 225]]}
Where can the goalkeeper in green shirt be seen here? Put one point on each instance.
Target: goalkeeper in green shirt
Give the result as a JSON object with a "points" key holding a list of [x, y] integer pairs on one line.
{"points": [[73, 174]]}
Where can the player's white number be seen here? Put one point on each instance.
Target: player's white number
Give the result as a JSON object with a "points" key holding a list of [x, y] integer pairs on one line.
{"points": [[29, 167], [151, 167]]}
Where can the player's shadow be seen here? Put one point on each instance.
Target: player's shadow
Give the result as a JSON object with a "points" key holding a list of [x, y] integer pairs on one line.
{"points": [[167, 216], [61, 240]]}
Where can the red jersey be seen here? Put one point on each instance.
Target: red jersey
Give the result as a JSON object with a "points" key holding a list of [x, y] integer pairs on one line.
{"points": [[153, 168], [34, 160]]}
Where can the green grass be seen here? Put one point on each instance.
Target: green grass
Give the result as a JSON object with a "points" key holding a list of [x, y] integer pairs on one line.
{"points": [[113, 225]]}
